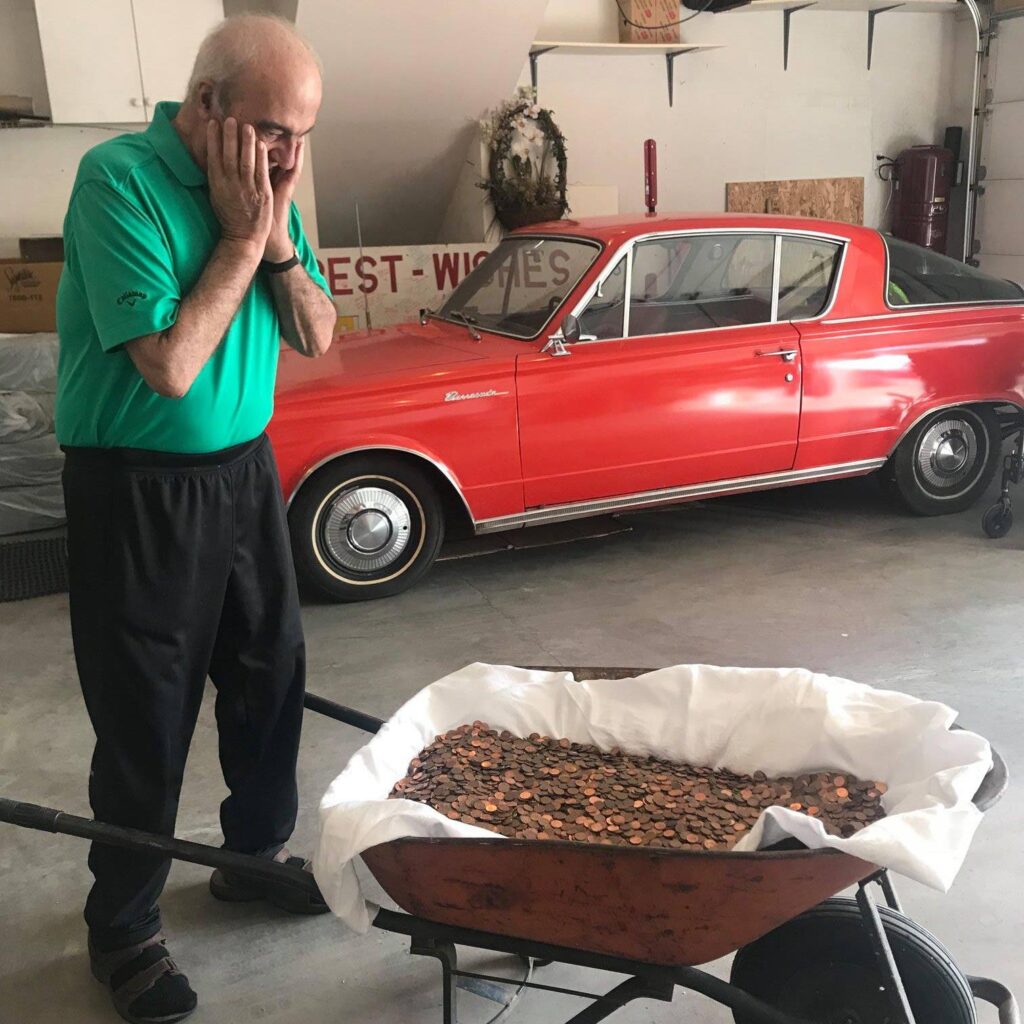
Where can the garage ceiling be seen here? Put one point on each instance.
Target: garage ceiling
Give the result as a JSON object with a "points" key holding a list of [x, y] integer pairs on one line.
{"points": [[404, 85]]}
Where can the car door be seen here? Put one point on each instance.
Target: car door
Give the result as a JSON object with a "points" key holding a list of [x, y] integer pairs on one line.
{"points": [[681, 376]]}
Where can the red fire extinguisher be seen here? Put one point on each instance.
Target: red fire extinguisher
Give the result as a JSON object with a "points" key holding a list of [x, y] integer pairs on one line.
{"points": [[923, 177]]}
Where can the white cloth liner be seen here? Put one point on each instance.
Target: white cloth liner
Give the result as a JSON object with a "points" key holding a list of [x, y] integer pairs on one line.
{"points": [[780, 721]]}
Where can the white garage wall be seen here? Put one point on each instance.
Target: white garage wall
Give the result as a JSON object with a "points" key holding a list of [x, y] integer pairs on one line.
{"points": [[38, 170], [403, 93], [737, 115]]}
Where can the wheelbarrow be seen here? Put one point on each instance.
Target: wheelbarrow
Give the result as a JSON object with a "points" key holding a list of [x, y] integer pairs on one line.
{"points": [[802, 955]]}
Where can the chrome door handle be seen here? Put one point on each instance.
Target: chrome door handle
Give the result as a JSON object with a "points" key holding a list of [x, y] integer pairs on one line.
{"points": [[787, 355]]}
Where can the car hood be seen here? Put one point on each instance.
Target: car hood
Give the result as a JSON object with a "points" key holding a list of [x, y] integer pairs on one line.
{"points": [[372, 356]]}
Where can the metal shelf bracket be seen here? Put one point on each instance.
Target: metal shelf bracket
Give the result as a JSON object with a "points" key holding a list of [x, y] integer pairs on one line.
{"points": [[535, 56], [670, 59], [871, 27], [787, 15]]}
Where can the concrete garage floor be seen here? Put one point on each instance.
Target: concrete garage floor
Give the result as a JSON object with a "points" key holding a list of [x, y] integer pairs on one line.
{"points": [[829, 577]]}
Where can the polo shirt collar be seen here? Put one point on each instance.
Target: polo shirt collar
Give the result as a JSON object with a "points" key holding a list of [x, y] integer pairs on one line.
{"points": [[164, 138]]}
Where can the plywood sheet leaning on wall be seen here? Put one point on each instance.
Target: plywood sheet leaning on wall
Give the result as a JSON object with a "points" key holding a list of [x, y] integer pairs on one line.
{"points": [[828, 198]]}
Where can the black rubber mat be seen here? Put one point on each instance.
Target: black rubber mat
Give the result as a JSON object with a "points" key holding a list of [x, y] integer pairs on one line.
{"points": [[33, 568]]}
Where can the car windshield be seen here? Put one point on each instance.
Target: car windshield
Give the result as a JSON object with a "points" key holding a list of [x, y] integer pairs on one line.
{"points": [[921, 277], [518, 287]]}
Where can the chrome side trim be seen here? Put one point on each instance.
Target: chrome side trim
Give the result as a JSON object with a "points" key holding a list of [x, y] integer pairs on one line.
{"points": [[439, 466], [671, 495], [925, 311]]}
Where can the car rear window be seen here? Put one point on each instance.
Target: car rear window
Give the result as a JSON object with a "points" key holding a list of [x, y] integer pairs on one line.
{"points": [[921, 277]]}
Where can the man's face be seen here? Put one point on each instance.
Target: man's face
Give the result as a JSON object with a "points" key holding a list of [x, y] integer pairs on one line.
{"points": [[282, 109]]}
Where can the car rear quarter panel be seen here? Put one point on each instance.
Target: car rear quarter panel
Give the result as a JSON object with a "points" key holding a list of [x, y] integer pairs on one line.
{"points": [[871, 372]]}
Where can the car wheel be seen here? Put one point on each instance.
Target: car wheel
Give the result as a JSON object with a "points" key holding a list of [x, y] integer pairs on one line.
{"points": [[946, 462], [364, 528]]}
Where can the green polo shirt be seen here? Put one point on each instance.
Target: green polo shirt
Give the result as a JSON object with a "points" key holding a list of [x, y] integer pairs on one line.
{"points": [[138, 233]]}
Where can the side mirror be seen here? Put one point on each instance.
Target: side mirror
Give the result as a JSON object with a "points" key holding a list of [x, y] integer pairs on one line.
{"points": [[570, 329]]}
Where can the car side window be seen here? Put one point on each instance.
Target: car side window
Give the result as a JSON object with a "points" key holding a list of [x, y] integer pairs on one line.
{"points": [[806, 276], [604, 313], [698, 282]]}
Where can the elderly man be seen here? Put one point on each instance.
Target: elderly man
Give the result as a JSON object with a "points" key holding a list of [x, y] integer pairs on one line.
{"points": [[186, 266]]}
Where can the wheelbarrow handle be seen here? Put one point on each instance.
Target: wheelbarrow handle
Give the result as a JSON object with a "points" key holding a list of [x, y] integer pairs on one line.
{"points": [[341, 713], [995, 783], [47, 819], [998, 995], [993, 786]]}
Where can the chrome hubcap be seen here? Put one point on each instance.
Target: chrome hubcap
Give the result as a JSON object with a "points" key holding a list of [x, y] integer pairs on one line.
{"points": [[951, 454], [369, 531], [366, 529], [947, 457]]}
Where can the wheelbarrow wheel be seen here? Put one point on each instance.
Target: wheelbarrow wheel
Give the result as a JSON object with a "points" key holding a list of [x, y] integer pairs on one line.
{"points": [[998, 520], [821, 967]]}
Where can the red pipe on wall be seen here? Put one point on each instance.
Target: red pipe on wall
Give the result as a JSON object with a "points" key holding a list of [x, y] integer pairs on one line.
{"points": [[651, 175]]}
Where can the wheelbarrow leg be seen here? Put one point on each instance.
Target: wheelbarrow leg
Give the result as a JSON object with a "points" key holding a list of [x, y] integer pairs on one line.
{"points": [[892, 901], [623, 993], [893, 984], [445, 953]]}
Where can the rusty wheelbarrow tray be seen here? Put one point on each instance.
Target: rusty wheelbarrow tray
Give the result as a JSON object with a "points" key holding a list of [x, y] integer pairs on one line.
{"points": [[647, 914]]}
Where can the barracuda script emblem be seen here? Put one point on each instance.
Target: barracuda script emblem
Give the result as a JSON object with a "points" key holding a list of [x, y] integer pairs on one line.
{"points": [[458, 396]]}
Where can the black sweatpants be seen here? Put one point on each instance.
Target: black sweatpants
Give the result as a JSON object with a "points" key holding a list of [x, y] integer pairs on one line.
{"points": [[179, 568]]}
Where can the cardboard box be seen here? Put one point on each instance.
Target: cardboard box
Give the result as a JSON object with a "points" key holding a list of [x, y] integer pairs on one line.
{"points": [[653, 21], [13, 107], [28, 296], [42, 248]]}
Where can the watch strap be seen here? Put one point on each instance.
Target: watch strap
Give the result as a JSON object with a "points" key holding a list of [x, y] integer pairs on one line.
{"points": [[280, 268]]}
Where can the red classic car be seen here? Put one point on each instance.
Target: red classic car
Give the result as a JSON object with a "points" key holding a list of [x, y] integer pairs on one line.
{"points": [[596, 366]]}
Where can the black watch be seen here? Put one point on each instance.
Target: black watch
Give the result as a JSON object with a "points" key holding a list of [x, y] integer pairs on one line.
{"points": [[280, 268]]}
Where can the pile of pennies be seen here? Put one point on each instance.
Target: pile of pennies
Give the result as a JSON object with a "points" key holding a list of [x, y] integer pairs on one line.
{"points": [[543, 788]]}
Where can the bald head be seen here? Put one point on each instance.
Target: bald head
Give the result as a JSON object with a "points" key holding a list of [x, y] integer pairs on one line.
{"points": [[259, 70], [248, 42]]}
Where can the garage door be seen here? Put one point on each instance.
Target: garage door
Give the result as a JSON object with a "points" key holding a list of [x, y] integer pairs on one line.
{"points": [[1001, 208]]}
